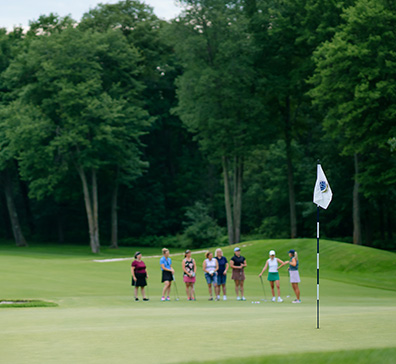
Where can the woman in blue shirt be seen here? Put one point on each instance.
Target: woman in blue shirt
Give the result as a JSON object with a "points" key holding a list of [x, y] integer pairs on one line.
{"points": [[167, 274]]}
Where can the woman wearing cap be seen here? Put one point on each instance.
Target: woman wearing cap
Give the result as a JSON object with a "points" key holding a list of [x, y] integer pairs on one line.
{"points": [[139, 275], [189, 270], [294, 275], [221, 274], [210, 267], [167, 274], [238, 263], [273, 275]]}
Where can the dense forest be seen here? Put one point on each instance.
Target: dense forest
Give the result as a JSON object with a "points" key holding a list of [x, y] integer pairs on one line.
{"points": [[125, 129]]}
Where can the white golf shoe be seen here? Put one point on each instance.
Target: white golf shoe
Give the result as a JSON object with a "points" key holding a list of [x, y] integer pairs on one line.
{"points": [[273, 299], [280, 299]]}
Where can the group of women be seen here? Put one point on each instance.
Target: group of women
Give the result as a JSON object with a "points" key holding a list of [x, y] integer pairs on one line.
{"points": [[215, 269]]}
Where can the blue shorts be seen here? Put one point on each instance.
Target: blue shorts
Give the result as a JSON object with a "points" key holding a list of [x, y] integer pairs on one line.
{"points": [[221, 279], [211, 278]]}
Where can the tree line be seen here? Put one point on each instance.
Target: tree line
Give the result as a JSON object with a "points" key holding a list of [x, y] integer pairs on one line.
{"points": [[129, 129]]}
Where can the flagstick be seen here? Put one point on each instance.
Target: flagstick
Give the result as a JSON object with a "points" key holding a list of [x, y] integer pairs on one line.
{"points": [[317, 268]]}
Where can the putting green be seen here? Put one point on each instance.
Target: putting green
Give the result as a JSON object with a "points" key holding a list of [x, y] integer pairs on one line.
{"points": [[98, 322]]}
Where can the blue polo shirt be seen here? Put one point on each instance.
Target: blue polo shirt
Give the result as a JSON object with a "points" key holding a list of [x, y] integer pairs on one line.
{"points": [[167, 262]]}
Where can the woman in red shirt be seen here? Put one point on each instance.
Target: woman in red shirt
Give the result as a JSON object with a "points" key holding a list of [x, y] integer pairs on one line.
{"points": [[139, 275]]}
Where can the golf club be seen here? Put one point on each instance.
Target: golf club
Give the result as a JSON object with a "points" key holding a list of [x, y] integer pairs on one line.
{"points": [[177, 292], [262, 285]]}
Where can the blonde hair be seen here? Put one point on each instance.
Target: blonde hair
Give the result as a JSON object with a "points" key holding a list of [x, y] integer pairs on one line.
{"points": [[217, 250], [295, 255], [164, 250], [207, 254]]}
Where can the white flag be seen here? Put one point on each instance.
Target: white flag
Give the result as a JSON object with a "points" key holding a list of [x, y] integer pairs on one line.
{"points": [[322, 193]]}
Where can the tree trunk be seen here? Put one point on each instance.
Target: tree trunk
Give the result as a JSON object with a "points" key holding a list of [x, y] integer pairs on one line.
{"points": [[29, 216], [95, 208], [227, 200], [15, 224], [114, 218], [290, 174], [90, 211], [59, 223], [389, 224], [238, 200], [357, 233]]}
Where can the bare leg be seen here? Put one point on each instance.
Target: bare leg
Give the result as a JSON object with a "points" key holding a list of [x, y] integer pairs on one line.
{"points": [[192, 294], [296, 290], [210, 289], [136, 291], [224, 290], [166, 288], [272, 288], [143, 293], [169, 288], [237, 287], [188, 290], [217, 290], [241, 287], [278, 287]]}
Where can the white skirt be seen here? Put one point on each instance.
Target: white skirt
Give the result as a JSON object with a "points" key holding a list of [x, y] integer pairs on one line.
{"points": [[294, 276]]}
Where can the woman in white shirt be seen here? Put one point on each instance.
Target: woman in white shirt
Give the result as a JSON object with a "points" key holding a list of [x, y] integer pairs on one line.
{"points": [[210, 267], [273, 275]]}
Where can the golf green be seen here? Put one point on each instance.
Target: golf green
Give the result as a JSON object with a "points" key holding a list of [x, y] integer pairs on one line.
{"points": [[97, 320]]}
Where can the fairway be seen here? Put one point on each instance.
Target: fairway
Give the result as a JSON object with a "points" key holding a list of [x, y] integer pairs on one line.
{"points": [[98, 322]]}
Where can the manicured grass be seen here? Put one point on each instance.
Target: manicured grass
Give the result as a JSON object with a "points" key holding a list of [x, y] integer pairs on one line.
{"points": [[98, 322]]}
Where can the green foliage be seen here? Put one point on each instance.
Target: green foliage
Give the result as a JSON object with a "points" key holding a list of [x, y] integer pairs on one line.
{"points": [[354, 80], [201, 230]]}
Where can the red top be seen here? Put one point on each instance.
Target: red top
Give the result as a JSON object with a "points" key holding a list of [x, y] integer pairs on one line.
{"points": [[139, 266]]}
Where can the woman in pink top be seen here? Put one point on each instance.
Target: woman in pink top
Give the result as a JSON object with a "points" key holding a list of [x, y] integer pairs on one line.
{"points": [[139, 275]]}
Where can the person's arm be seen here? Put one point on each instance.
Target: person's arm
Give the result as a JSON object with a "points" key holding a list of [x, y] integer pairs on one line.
{"points": [[217, 265], [168, 270], [279, 261], [195, 266], [265, 267], [133, 273], [204, 266], [184, 267], [293, 262], [244, 264], [226, 269], [283, 263], [232, 264]]}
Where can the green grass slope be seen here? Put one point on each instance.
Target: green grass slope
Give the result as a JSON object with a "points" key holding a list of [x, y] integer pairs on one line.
{"points": [[98, 322]]}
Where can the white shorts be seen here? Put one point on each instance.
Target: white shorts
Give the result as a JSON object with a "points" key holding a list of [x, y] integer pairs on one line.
{"points": [[294, 276]]}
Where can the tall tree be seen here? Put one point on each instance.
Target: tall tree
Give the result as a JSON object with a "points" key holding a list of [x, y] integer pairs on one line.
{"points": [[83, 93], [217, 99], [355, 89], [9, 44], [287, 32]]}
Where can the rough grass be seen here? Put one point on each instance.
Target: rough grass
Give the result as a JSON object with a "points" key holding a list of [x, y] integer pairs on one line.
{"points": [[18, 303]]}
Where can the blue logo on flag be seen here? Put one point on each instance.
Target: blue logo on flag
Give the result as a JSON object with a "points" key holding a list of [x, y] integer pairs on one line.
{"points": [[323, 186]]}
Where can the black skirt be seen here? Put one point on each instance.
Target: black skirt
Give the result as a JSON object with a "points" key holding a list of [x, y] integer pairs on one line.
{"points": [[166, 276], [140, 280]]}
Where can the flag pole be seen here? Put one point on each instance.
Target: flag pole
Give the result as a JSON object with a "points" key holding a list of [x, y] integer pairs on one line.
{"points": [[322, 198], [317, 260], [317, 267]]}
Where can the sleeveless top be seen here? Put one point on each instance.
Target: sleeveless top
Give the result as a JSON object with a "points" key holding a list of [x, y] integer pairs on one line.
{"points": [[272, 265], [189, 265], [291, 267], [210, 265]]}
